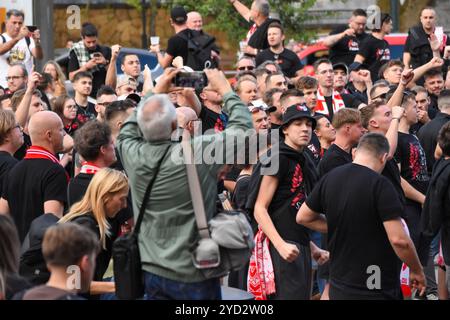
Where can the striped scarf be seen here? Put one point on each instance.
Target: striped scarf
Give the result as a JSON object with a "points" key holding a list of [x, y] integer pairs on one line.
{"points": [[89, 168], [36, 152], [321, 106], [261, 278]]}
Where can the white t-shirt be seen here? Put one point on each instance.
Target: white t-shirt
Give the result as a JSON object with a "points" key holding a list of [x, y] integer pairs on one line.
{"points": [[18, 53]]}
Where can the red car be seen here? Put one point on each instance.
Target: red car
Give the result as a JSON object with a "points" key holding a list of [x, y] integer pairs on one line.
{"points": [[318, 50]]}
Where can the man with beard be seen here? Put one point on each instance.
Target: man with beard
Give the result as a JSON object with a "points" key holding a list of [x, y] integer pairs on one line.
{"points": [[212, 116]]}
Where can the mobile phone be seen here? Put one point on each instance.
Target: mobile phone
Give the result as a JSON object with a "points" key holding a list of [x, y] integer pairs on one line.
{"points": [[32, 28], [96, 55], [196, 79]]}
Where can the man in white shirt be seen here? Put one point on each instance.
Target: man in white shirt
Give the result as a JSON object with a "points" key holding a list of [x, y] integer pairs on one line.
{"points": [[18, 44]]}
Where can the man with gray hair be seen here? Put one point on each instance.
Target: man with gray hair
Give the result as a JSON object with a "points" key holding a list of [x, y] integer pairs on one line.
{"points": [[259, 14], [169, 228]]}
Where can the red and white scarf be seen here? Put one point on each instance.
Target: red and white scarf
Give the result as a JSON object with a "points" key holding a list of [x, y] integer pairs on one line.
{"points": [[36, 152], [89, 168], [261, 279], [321, 106]]}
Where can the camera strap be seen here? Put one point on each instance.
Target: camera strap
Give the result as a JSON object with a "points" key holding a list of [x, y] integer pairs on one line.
{"points": [[194, 186]]}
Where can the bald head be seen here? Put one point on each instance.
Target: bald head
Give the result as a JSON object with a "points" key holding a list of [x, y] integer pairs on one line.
{"points": [[46, 130], [194, 21], [184, 115]]}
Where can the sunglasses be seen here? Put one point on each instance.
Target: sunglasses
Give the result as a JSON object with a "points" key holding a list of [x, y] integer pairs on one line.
{"points": [[246, 68]]}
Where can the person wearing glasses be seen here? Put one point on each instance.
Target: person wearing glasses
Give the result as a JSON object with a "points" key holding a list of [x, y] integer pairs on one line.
{"points": [[288, 61], [126, 85], [18, 44], [105, 96], [16, 78]]}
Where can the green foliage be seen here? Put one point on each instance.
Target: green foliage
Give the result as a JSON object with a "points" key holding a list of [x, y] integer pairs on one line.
{"points": [[136, 4], [221, 15]]}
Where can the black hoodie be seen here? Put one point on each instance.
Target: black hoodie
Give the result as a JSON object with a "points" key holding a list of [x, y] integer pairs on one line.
{"points": [[297, 176]]}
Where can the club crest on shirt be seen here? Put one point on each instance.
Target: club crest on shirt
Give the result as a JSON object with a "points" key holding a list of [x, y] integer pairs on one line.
{"points": [[383, 54], [353, 45]]}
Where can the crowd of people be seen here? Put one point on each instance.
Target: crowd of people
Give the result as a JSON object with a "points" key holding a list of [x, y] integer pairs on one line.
{"points": [[360, 190]]}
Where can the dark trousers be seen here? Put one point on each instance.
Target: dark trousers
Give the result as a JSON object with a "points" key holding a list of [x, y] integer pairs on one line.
{"points": [[292, 279]]}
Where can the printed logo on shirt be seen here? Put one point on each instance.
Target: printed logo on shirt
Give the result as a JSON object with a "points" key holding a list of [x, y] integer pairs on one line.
{"points": [[315, 152], [353, 45], [383, 54], [417, 163], [297, 187], [16, 55]]}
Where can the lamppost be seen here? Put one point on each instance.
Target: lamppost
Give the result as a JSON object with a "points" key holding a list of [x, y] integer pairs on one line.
{"points": [[144, 24], [395, 13]]}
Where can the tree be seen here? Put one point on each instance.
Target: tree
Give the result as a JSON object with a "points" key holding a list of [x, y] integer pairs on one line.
{"points": [[221, 15]]}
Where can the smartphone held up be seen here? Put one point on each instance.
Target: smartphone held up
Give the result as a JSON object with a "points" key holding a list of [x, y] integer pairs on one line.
{"points": [[195, 79]]}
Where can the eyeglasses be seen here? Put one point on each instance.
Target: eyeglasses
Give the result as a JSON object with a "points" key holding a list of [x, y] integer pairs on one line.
{"points": [[246, 68], [13, 78], [105, 104], [380, 96], [72, 106]]}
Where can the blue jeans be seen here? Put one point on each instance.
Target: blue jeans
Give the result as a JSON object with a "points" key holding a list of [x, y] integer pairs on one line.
{"points": [[159, 288]]}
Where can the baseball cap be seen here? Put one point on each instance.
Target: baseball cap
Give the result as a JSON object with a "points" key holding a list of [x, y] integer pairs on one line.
{"points": [[132, 96], [261, 105], [124, 79], [341, 66], [178, 15], [297, 111]]}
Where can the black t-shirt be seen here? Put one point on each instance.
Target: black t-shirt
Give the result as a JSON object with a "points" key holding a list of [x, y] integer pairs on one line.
{"points": [[98, 73], [31, 183], [392, 173], [376, 53], [86, 113], [212, 120], [333, 158], [178, 46], [287, 60], [351, 101], [355, 210], [7, 162], [240, 191], [258, 40], [412, 160], [428, 137], [289, 197], [21, 152], [345, 49]]}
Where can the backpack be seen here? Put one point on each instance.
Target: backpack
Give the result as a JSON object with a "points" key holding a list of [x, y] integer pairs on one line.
{"points": [[200, 45]]}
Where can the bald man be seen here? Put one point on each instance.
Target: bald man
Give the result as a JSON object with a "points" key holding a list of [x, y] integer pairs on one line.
{"points": [[37, 184], [185, 118], [195, 22]]}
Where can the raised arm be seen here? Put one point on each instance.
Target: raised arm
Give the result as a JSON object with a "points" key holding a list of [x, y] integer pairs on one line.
{"points": [[24, 105], [241, 8], [332, 39], [111, 73], [392, 133], [8, 45]]}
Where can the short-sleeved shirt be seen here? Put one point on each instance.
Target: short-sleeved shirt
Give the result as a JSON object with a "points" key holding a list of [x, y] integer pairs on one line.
{"points": [[258, 40], [346, 48], [178, 46], [412, 160], [376, 53], [333, 158], [288, 61], [212, 120], [99, 76], [86, 113], [30, 184], [355, 210], [20, 53]]}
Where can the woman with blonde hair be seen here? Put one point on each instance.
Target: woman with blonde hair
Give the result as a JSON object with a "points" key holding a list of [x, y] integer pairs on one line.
{"points": [[105, 196], [52, 67]]}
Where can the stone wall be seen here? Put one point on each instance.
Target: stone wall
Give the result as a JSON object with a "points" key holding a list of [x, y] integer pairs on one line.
{"points": [[123, 25]]}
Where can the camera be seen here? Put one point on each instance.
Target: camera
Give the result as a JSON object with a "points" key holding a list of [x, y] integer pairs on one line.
{"points": [[196, 79], [32, 28], [96, 55]]}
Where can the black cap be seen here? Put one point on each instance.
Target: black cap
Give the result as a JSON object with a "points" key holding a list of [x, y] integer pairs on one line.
{"points": [[340, 66], [178, 15], [297, 111], [356, 66]]}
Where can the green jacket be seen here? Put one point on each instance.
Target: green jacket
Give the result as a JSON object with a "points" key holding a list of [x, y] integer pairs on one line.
{"points": [[169, 231]]}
